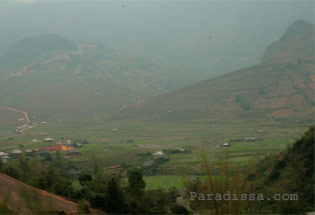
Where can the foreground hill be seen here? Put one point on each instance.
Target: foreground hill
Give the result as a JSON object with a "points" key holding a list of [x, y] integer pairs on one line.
{"points": [[25, 199], [52, 74], [281, 87], [290, 173]]}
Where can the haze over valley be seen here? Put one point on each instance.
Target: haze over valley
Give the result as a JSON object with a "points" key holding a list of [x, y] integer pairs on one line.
{"points": [[130, 107]]}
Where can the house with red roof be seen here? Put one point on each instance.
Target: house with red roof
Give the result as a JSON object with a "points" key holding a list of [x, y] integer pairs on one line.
{"points": [[55, 148]]}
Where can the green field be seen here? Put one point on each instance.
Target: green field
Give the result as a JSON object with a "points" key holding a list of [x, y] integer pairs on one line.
{"points": [[110, 148], [164, 182]]}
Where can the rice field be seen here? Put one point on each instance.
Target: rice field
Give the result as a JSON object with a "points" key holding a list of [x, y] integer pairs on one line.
{"points": [[164, 181]]}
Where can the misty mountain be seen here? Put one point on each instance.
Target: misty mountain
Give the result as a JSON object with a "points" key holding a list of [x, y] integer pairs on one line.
{"points": [[34, 48], [280, 87], [51, 73], [207, 37]]}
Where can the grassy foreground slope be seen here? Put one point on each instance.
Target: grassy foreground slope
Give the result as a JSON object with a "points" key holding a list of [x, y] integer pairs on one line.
{"points": [[25, 199]]}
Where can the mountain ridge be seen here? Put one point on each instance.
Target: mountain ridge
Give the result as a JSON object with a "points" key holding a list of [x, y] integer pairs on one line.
{"points": [[31, 48], [83, 77], [281, 87], [295, 37]]}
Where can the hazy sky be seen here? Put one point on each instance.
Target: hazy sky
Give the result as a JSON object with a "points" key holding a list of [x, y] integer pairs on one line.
{"points": [[220, 35]]}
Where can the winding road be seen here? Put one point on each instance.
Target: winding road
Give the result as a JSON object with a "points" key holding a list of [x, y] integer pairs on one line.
{"points": [[19, 111]]}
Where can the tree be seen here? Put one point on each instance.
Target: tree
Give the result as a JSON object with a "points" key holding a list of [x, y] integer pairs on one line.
{"points": [[21, 147], [172, 194], [58, 161], [95, 165], [178, 209], [114, 200], [1, 165], [136, 182], [83, 207], [85, 179]]}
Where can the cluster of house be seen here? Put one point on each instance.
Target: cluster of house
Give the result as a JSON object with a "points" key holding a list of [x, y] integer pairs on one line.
{"points": [[71, 151], [42, 151], [247, 139], [67, 142], [67, 147], [5, 156]]}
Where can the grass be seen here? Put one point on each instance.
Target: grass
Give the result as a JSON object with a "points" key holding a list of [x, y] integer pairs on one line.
{"points": [[76, 185], [164, 181]]}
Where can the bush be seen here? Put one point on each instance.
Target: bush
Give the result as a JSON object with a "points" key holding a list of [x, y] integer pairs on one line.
{"points": [[83, 207], [178, 209]]}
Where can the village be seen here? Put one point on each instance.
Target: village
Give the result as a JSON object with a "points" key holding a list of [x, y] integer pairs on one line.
{"points": [[68, 147], [151, 161]]}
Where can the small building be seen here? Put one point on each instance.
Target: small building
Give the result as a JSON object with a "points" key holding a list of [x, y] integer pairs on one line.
{"points": [[43, 152], [147, 164], [22, 127], [227, 144], [29, 152], [158, 153], [180, 150], [55, 148], [49, 140], [68, 142], [4, 154], [4, 157], [250, 139], [77, 145], [15, 152], [73, 152]]}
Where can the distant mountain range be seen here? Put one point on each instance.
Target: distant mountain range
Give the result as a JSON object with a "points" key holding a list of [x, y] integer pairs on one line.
{"points": [[52, 74], [280, 87]]}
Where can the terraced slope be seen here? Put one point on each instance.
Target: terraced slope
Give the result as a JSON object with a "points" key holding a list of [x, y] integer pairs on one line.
{"points": [[281, 87], [54, 75]]}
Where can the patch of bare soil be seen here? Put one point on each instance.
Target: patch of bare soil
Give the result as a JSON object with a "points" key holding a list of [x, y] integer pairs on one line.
{"points": [[24, 198], [283, 113]]}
